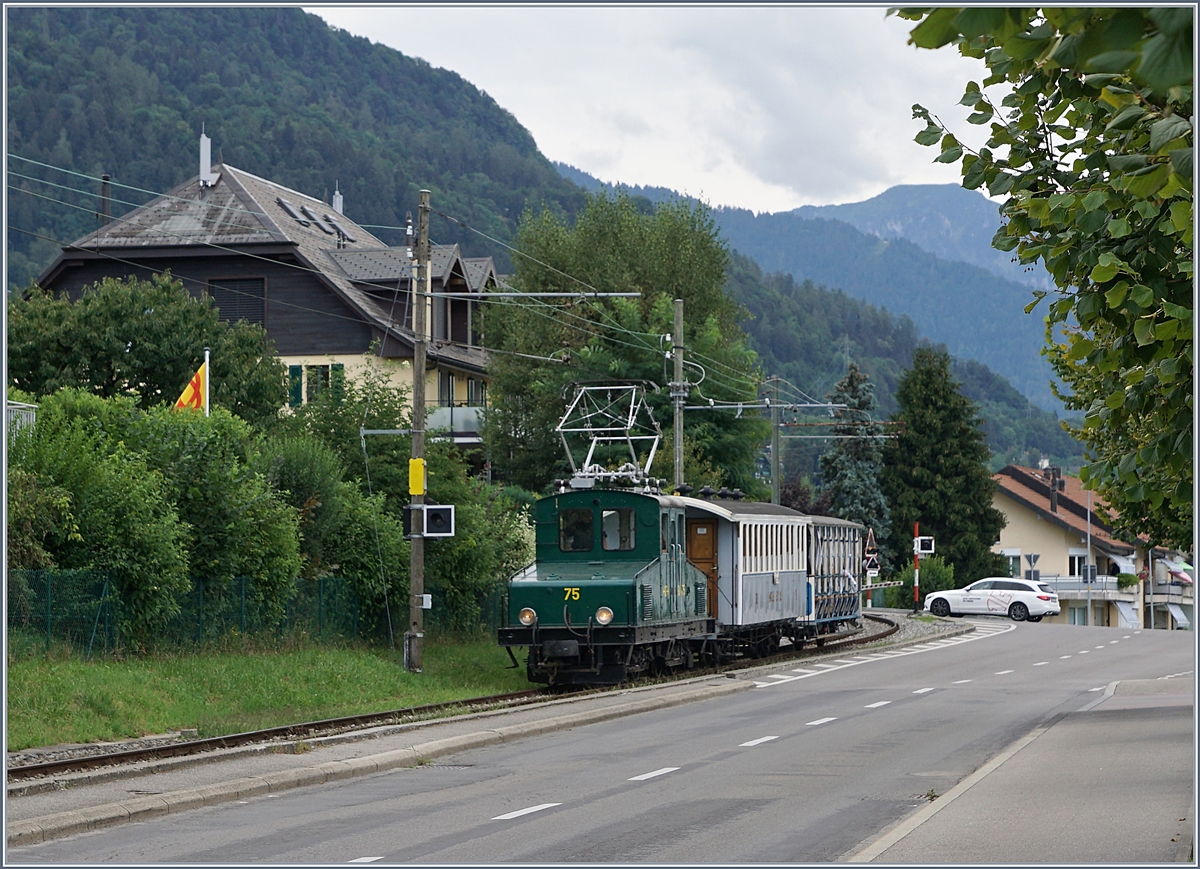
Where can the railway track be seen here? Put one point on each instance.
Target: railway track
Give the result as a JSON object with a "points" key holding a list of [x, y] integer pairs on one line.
{"points": [[333, 726]]}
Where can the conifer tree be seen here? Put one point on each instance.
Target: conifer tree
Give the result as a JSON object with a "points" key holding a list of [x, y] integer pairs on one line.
{"points": [[853, 467], [935, 472]]}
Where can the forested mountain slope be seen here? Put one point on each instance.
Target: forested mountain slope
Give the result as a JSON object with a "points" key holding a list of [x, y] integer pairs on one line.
{"points": [[803, 332], [874, 251], [282, 95]]}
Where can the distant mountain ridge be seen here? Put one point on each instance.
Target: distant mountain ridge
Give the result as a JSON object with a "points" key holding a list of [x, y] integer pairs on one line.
{"points": [[976, 313], [946, 220]]}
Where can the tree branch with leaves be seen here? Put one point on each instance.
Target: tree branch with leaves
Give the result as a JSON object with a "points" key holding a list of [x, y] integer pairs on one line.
{"points": [[1093, 145]]}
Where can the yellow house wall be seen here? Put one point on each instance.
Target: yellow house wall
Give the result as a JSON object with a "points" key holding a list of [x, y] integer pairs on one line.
{"points": [[1028, 533]]}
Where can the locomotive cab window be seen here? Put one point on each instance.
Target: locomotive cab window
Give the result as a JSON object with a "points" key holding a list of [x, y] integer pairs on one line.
{"points": [[618, 529], [575, 530]]}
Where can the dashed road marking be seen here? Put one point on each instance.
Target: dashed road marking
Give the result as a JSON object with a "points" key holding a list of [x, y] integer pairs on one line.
{"points": [[1110, 642], [1083, 651], [1003, 672], [877, 705], [758, 741], [922, 690], [818, 721], [1063, 657], [1126, 637], [962, 682], [982, 630], [655, 774], [528, 811], [364, 859], [1099, 647], [1041, 663]]}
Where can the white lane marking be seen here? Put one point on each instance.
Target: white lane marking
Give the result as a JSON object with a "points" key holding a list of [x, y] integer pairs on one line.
{"points": [[1041, 663], [1003, 672], [922, 690], [657, 772], [962, 682], [982, 630], [1101, 688], [1083, 651], [1126, 637], [1063, 657], [364, 859], [527, 811], [819, 721], [1099, 647], [778, 676], [1137, 632], [877, 705], [1110, 642], [758, 741]]}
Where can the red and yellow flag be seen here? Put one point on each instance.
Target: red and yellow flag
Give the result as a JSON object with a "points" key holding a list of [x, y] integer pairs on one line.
{"points": [[194, 392]]}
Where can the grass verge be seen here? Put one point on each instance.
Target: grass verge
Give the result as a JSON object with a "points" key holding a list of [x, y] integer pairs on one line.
{"points": [[66, 700]]}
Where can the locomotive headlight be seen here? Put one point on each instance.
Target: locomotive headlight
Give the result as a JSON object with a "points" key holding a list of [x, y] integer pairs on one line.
{"points": [[604, 615], [527, 616]]}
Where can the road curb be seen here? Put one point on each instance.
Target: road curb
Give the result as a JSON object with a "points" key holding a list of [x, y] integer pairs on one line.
{"points": [[881, 843], [55, 826]]}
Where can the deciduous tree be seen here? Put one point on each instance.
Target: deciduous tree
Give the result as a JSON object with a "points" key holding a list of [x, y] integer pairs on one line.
{"points": [[1093, 145], [143, 339]]}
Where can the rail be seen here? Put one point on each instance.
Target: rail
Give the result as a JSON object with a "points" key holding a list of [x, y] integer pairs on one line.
{"points": [[347, 723]]}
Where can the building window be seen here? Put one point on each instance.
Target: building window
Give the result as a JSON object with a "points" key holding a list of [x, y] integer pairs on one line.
{"points": [[1075, 564], [476, 392], [1077, 615], [1014, 565], [240, 299], [446, 385], [306, 382]]}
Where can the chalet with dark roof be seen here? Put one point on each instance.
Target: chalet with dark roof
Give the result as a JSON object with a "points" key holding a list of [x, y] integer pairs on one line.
{"points": [[324, 288]]}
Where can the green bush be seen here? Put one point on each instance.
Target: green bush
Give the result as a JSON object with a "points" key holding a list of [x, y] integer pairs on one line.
{"points": [[936, 575], [1125, 580]]}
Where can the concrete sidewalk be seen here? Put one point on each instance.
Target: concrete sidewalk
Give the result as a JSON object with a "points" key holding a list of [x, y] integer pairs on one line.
{"points": [[1109, 783]]}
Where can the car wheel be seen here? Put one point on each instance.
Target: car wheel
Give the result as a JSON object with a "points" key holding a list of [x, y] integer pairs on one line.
{"points": [[1035, 618], [1018, 612], [940, 607]]}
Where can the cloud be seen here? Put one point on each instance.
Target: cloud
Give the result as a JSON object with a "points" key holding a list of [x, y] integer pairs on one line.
{"points": [[765, 108]]}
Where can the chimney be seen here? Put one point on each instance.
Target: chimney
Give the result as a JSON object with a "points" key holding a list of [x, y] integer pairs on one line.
{"points": [[337, 199], [105, 200], [207, 178], [1057, 484]]}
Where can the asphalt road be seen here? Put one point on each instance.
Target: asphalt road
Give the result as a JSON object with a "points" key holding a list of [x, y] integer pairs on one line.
{"points": [[816, 764]]}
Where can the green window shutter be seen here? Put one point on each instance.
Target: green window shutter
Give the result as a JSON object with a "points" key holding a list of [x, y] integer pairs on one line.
{"points": [[337, 380], [295, 385]]}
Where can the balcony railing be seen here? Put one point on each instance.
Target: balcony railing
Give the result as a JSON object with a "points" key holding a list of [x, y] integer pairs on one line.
{"points": [[463, 423]]}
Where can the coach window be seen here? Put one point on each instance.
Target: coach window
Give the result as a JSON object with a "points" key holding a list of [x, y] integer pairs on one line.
{"points": [[664, 532], [617, 529], [575, 530]]}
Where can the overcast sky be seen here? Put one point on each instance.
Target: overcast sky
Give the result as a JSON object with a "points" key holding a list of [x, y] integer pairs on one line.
{"points": [[766, 108]]}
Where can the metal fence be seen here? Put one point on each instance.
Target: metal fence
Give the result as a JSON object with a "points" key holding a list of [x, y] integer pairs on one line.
{"points": [[82, 611]]}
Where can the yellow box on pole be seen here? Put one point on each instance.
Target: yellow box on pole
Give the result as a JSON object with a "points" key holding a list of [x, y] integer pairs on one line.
{"points": [[416, 476]]}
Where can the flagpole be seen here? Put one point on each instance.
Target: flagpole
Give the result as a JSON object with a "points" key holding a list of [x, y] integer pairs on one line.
{"points": [[207, 375]]}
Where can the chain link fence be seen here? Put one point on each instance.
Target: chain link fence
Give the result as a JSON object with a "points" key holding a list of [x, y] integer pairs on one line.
{"points": [[81, 611]]}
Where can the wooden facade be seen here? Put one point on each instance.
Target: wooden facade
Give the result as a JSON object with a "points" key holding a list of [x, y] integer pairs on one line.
{"points": [[320, 285]]}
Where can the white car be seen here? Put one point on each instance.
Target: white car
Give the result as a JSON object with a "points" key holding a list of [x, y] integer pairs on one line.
{"points": [[1019, 599]]}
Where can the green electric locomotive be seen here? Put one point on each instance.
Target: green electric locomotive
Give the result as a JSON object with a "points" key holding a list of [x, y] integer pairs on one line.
{"points": [[629, 581]]}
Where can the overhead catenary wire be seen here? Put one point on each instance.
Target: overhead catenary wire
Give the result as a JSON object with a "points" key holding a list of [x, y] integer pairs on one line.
{"points": [[641, 345]]}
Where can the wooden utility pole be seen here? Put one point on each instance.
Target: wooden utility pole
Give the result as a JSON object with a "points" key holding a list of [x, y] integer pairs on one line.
{"points": [[775, 442], [678, 391], [420, 283]]}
